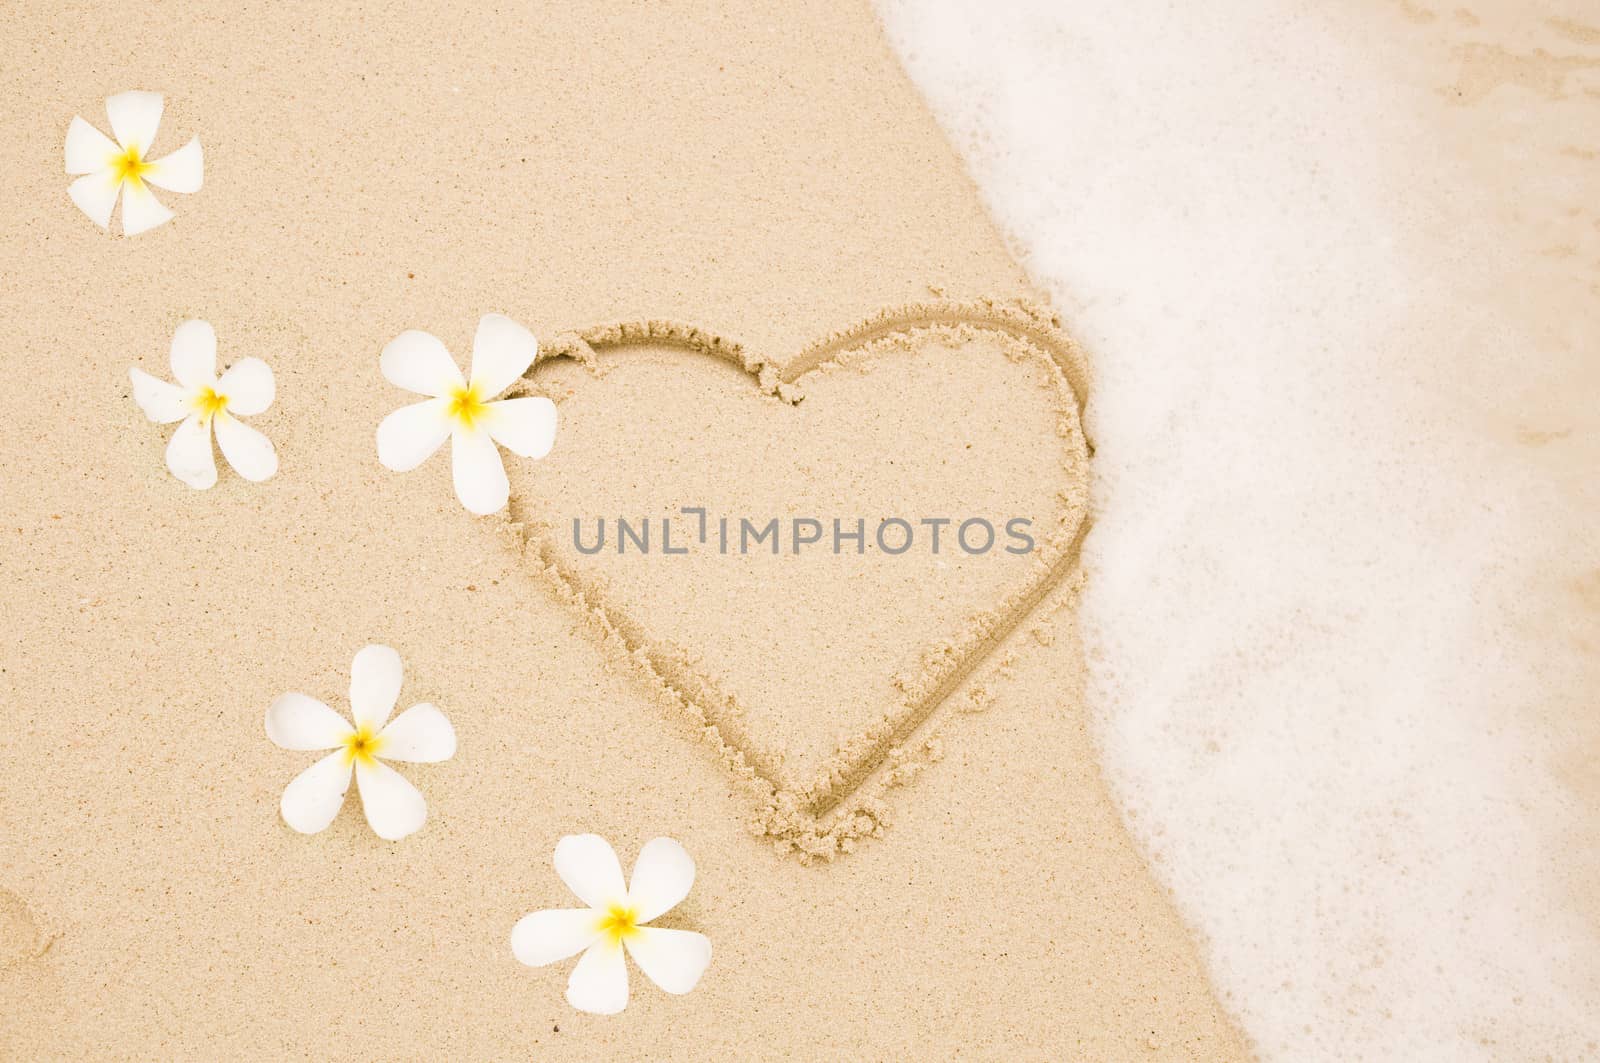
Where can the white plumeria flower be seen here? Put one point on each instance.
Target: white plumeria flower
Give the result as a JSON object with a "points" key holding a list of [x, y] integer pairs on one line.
{"points": [[615, 920], [420, 735], [125, 166], [460, 409], [202, 401]]}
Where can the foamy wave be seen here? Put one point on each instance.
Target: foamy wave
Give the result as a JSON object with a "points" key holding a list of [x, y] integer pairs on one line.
{"points": [[1313, 661]]}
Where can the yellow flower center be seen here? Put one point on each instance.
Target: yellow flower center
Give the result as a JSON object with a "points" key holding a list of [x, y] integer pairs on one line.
{"points": [[619, 923], [362, 746], [466, 406], [130, 166], [208, 403]]}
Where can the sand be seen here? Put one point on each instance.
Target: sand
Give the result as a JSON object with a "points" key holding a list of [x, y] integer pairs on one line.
{"points": [[882, 872]]}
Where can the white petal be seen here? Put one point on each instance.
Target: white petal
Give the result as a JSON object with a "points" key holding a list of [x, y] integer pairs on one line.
{"points": [[661, 878], [162, 402], [589, 867], [410, 435], [502, 350], [672, 959], [248, 386], [545, 937], [295, 721], [394, 807], [141, 210], [479, 474], [249, 452], [96, 195], [420, 735], [418, 362], [312, 800], [375, 677], [88, 149], [194, 355], [189, 453], [599, 982], [182, 171], [135, 117], [526, 427]]}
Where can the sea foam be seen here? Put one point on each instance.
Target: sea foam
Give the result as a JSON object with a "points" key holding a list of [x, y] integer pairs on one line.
{"points": [[1313, 618]]}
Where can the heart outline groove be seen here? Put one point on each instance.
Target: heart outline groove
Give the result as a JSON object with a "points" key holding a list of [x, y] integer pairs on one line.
{"points": [[845, 800]]}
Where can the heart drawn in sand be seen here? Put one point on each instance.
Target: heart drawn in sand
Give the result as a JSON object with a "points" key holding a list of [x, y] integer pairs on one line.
{"points": [[813, 672]]}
